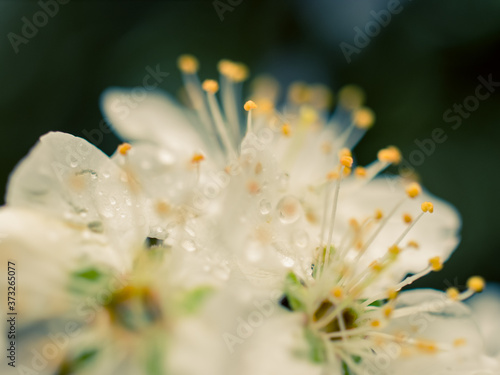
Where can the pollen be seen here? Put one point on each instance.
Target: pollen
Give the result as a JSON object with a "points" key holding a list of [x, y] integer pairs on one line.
{"points": [[124, 148], [337, 292], [428, 347], [413, 190], [394, 250], [332, 175], [197, 158], [285, 130], [453, 293], [376, 266], [427, 207], [378, 214], [390, 154], [236, 72], [459, 342], [188, 64], [210, 86], [346, 161], [476, 283], [360, 172], [364, 118], [162, 207], [351, 97], [388, 310], [436, 264], [249, 105], [253, 187], [392, 294], [407, 218], [375, 323], [413, 244]]}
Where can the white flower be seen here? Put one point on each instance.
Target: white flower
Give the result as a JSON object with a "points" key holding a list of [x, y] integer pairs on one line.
{"points": [[282, 207], [93, 291], [272, 253]]}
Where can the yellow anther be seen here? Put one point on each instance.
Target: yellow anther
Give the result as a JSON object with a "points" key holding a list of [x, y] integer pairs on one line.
{"points": [[345, 152], [308, 115], [187, 64], [258, 168], [332, 175], [253, 187], [427, 346], [459, 342], [378, 214], [375, 323], [347, 171], [162, 207], [249, 105], [453, 293], [392, 294], [235, 71], [407, 218], [413, 190], [346, 161], [265, 105], [394, 250], [476, 283], [197, 158], [376, 266], [364, 118], [299, 93], [354, 223], [326, 147], [211, 86], [360, 172], [436, 264], [413, 244], [337, 292], [351, 97], [428, 207], [321, 96], [124, 148], [390, 154], [285, 130], [388, 310]]}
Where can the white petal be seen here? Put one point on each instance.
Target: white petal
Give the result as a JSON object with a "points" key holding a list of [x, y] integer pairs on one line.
{"points": [[67, 177]]}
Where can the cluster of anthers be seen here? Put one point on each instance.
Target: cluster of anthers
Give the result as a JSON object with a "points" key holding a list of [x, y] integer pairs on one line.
{"points": [[343, 319]]}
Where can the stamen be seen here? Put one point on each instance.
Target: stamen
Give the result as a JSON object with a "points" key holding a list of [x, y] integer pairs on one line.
{"points": [[188, 64], [211, 87], [249, 105], [124, 148]]}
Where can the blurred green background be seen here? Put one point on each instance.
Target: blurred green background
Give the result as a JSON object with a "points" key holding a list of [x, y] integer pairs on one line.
{"points": [[426, 58]]}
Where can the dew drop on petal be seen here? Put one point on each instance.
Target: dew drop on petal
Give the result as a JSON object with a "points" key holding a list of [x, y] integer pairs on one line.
{"points": [[265, 206], [300, 238], [288, 209], [105, 174], [158, 232], [188, 245], [283, 179]]}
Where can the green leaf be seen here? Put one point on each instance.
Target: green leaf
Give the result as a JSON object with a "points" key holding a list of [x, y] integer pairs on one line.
{"points": [[192, 301], [295, 292], [316, 347], [90, 274]]}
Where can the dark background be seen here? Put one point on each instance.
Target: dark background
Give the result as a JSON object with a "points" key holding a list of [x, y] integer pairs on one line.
{"points": [[426, 59]]}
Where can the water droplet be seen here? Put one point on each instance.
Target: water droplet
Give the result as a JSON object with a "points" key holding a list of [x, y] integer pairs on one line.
{"points": [[96, 226], [157, 232], [128, 201], [265, 206], [287, 261], [112, 200], [189, 231], [254, 254], [73, 163], [288, 209], [105, 174], [300, 238], [189, 245], [283, 179], [165, 157]]}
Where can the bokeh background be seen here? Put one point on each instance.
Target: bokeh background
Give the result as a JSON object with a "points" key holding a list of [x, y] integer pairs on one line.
{"points": [[428, 57]]}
